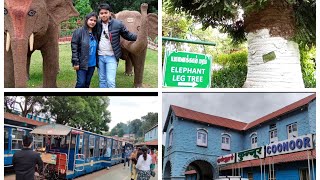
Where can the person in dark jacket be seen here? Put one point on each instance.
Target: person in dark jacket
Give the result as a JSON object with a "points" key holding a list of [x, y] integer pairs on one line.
{"points": [[25, 160], [84, 50], [109, 51]]}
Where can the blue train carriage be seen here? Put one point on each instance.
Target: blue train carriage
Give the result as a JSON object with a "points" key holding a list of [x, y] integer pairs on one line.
{"points": [[13, 141], [116, 151], [71, 152]]}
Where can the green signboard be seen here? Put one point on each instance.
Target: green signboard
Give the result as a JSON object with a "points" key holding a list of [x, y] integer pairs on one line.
{"points": [[186, 69]]}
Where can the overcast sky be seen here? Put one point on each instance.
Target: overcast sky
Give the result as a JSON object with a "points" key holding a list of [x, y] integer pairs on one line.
{"points": [[127, 108], [244, 107]]}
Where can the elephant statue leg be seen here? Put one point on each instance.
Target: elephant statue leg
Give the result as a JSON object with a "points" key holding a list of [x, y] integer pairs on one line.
{"points": [[8, 70], [129, 71], [138, 64], [126, 57], [50, 54]]}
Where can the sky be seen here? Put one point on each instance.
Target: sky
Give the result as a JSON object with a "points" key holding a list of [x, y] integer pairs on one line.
{"points": [[127, 108], [244, 107]]}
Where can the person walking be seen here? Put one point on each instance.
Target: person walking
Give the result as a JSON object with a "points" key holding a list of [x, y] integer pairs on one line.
{"points": [[84, 50], [127, 157], [143, 164], [154, 160], [109, 51], [25, 160], [133, 158]]}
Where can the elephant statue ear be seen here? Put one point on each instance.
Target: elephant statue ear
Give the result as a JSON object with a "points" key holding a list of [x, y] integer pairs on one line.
{"points": [[61, 10], [152, 25]]}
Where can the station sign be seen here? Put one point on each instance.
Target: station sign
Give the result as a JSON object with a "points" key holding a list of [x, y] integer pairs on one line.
{"points": [[226, 159], [251, 154], [300, 143], [187, 69]]}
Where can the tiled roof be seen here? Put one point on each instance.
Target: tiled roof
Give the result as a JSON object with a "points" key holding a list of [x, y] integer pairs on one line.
{"points": [[207, 118], [284, 158], [17, 118], [149, 143], [229, 123]]}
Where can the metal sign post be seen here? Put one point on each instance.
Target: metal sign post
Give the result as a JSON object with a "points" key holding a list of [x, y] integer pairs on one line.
{"points": [[187, 69]]}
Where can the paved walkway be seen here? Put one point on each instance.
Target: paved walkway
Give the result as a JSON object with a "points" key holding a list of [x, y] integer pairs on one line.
{"points": [[115, 172]]}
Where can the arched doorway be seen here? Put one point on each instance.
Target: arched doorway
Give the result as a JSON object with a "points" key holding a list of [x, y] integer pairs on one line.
{"points": [[167, 171], [199, 170]]}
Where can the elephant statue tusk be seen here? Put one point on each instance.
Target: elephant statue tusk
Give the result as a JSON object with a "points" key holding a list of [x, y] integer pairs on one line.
{"points": [[8, 42], [31, 41]]}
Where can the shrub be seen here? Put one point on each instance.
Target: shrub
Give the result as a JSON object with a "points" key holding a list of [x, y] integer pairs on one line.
{"points": [[234, 71], [308, 66]]}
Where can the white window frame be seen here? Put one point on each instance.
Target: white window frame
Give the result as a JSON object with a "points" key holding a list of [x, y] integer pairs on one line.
{"points": [[292, 134], [272, 137], [254, 141], [225, 142], [170, 137], [203, 135], [271, 173]]}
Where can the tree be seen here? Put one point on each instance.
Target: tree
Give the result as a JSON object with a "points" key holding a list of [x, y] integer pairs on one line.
{"points": [[133, 5], [134, 127], [26, 104], [84, 112], [273, 28], [119, 129], [148, 121]]}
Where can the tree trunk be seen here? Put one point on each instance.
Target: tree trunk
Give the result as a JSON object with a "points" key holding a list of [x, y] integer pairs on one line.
{"points": [[273, 60]]}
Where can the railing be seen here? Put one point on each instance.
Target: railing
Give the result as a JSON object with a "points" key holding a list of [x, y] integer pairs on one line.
{"points": [[82, 160]]}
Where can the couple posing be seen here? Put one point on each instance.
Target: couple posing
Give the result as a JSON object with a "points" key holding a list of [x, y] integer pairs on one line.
{"points": [[97, 43]]}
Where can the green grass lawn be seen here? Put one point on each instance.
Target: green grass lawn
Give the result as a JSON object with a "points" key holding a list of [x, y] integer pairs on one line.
{"points": [[67, 76]]}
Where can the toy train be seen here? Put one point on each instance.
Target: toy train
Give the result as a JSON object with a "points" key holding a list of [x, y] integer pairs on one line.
{"points": [[70, 152]]}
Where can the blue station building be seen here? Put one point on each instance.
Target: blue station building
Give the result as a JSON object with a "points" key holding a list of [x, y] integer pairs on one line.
{"points": [[278, 146]]}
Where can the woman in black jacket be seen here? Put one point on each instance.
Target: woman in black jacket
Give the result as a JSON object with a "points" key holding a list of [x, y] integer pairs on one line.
{"points": [[84, 50]]}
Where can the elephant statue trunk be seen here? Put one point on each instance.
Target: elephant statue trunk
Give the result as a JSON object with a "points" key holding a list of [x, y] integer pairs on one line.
{"points": [[20, 47], [142, 40]]}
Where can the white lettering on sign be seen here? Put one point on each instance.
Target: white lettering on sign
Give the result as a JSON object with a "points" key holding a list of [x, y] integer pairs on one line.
{"points": [[195, 78], [187, 70], [178, 78], [290, 145], [189, 60]]}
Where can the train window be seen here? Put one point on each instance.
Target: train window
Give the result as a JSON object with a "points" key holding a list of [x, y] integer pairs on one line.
{"points": [[102, 146], [108, 150], [91, 145], [17, 135], [114, 147], [38, 142], [86, 145], [6, 138], [63, 142], [73, 141], [96, 147], [80, 144]]}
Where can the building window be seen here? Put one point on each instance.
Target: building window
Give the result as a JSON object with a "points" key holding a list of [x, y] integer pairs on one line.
{"points": [[225, 145], [250, 176], [170, 137], [292, 130], [254, 141], [272, 174], [273, 136], [171, 119], [202, 139]]}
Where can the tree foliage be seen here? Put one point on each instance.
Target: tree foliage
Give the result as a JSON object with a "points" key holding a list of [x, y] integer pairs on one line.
{"points": [[27, 104], [133, 5], [138, 126], [225, 15], [85, 112]]}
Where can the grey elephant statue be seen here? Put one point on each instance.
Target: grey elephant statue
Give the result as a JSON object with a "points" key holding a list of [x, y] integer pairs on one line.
{"points": [[31, 25], [134, 53]]}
